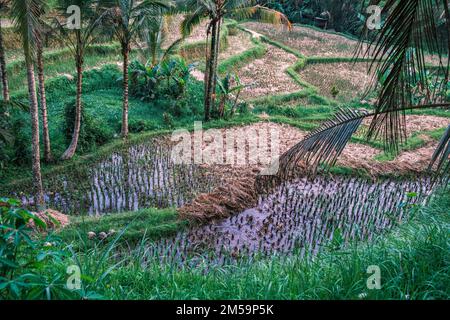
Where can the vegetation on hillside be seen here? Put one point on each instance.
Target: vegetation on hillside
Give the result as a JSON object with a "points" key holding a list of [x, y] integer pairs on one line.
{"points": [[88, 117]]}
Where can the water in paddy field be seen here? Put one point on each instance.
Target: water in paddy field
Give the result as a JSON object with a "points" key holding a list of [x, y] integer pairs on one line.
{"points": [[303, 215], [141, 177]]}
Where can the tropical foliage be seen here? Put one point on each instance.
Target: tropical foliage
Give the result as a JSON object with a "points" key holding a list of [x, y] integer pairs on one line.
{"points": [[398, 55]]}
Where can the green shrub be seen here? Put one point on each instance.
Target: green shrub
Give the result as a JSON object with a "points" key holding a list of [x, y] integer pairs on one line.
{"points": [[168, 120], [140, 125], [93, 132], [29, 265], [168, 78]]}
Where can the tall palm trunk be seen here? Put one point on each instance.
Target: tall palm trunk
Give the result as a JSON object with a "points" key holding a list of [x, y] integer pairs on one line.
{"points": [[125, 52], [78, 106], [40, 67], [216, 62], [3, 68], [36, 157], [447, 21], [211, 72]]}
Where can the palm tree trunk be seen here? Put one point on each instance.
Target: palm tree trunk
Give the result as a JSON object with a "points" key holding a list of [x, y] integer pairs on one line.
{"points": [[126, 52], [447, 21], [77, 125], [36, 157], [209, 90], [3, 68], [40, 67], [216, 62], [207, 67]]}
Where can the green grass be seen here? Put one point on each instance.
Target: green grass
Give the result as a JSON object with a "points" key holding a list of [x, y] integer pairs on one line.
{"points": [[413, 259], [151, 223], [60, 61], [414, 142], [238, 61]]}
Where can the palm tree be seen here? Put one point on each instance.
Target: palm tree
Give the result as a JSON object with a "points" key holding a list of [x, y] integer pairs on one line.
{"points": [[25, 15], [3, 7], [128, 17], [398, 54], [41, 83], [78, 40], [153, 36], [215, 11]]}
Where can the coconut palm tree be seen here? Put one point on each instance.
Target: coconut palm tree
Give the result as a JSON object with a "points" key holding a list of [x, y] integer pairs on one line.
{"points": [[215, 11], [3, 8], [398, 51], [25, 14], [152, 46], [128, 17], [78, 40]]}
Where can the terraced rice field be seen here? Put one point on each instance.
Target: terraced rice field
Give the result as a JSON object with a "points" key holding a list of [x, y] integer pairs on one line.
{"points": [[237, 43], [267, 75], [139, 177], [307, 41], [303, 215], [340, 81]]}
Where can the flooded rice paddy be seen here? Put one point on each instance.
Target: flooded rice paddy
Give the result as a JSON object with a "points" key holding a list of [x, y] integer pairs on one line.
{"points": [[300, 216], [142, 176]]}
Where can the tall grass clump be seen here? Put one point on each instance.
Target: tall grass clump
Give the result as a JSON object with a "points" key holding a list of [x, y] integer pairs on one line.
{"points": [[413, 259]]}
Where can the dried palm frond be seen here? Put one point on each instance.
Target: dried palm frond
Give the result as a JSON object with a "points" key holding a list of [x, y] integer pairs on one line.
{"points": [[440, 159], [324, 144]]}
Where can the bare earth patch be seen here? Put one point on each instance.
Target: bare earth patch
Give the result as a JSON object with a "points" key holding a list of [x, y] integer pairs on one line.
{"points": [[237, 44], [415, 123], [349, 79], [267, 76], [53, 219]]}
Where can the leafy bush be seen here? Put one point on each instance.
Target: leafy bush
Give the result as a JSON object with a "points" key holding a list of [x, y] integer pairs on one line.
{"points": [[93, 131], [136, 126], [13, 143], [230, 88], [28, 264], [168, 78]]}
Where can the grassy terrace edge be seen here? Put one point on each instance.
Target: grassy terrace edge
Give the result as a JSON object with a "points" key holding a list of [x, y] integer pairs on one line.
{"points": [[413, 260]]}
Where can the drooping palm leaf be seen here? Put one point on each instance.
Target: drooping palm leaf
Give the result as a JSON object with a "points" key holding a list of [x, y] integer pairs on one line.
{"points": [[440, 159], [192, 20], [324, 144], [263, 14], [26, 18], [398, 53]]}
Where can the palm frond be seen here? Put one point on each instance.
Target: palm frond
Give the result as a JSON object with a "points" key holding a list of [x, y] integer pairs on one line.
{"points": [[398, 54], [191, 21], [262, 13], [26, 18], [172, 49], [324, 144], [440, 160]]}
